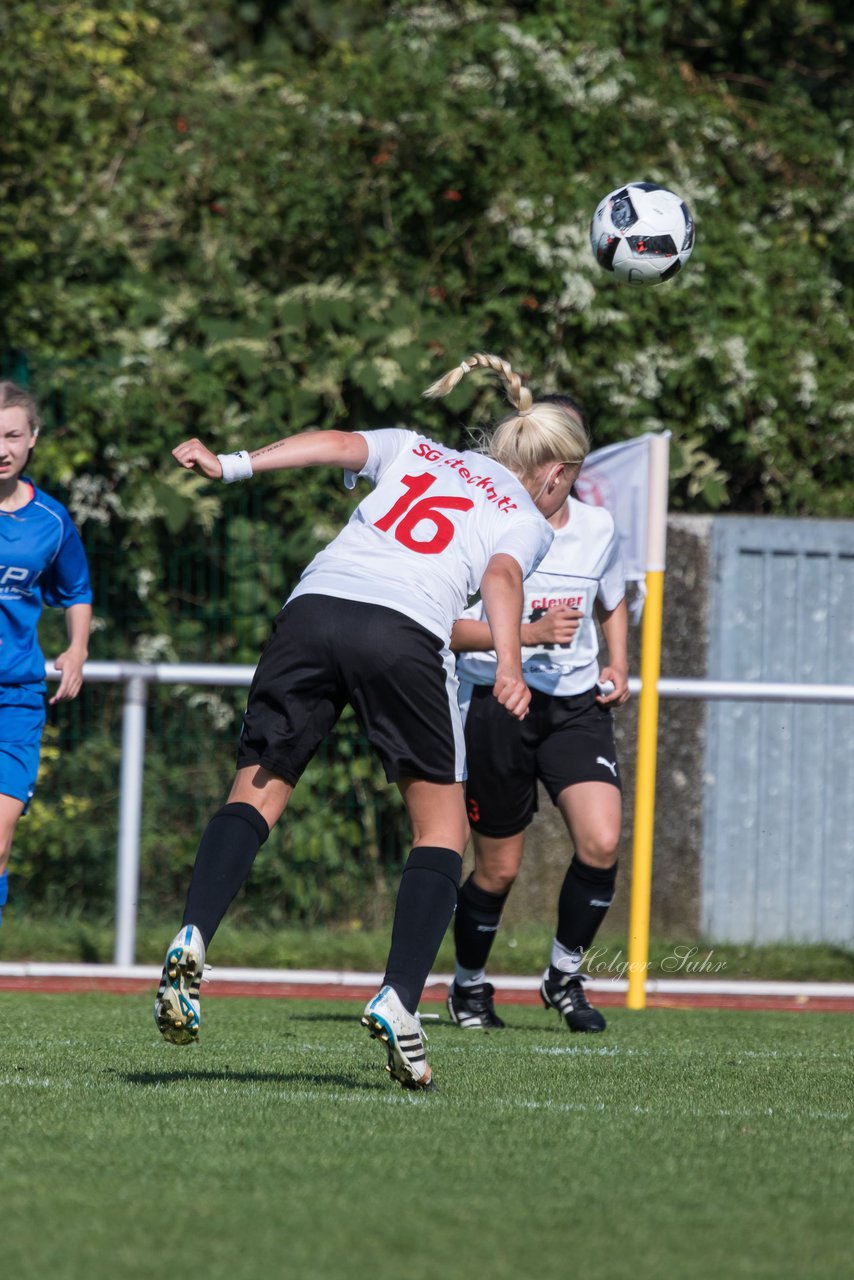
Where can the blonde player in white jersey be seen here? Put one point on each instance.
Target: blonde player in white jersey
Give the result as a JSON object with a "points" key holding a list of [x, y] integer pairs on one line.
{"points": [[566, 742], [369, 624]]}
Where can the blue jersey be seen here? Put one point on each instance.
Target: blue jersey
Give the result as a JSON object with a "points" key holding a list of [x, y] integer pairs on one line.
{"points": [[42, 562]]}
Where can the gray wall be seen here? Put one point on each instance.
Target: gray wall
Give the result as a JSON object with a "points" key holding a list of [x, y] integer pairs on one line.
{"points": [[754, 820], [778, 842]]}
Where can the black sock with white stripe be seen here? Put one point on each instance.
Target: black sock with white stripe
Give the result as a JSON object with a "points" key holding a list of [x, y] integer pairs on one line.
{"points": [[227, 850], [476, 922], [425, 904], [585, 896]]}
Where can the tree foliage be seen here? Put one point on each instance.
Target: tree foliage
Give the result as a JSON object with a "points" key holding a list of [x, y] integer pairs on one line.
{"points": [[246, 219], [239, 221]]}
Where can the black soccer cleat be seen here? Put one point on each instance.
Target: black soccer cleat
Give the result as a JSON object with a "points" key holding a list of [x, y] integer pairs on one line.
{"points": [[473, 1007], [567, 996]]}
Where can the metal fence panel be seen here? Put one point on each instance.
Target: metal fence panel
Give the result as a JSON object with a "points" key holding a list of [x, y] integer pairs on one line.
{"points": [[778, 830]]}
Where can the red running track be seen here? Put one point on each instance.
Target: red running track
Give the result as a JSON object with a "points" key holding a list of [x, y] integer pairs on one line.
{"points": [[436, 993]]}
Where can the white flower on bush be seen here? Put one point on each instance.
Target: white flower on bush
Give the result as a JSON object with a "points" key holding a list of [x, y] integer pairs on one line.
{"points": [[220, 713], [426, 17], [563, 246], [91, 498], [588, 78], [144, 579], [150, 649], [806, 383]]}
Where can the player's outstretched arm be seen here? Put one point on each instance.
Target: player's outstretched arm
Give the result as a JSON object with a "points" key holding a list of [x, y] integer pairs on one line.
{"points": [[501, 592], [343, 449]]}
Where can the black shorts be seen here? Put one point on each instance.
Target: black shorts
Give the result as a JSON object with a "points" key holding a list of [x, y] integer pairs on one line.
{"points": [[324, 653], [560, 742]]}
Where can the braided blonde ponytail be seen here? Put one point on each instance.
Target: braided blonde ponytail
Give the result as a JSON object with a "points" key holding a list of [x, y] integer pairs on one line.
{"points": [[518, 395], [539, 432]]}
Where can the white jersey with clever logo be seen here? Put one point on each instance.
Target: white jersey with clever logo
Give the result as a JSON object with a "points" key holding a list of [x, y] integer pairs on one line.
{"points": [[421, 541], [582, 565]]}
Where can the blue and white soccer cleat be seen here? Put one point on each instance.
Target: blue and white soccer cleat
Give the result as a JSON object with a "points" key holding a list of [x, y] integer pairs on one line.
{"points": [[176, 1006], [400, 1032]]}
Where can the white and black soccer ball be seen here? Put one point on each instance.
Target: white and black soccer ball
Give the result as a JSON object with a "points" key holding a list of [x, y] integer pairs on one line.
{"points": [[642, 233]]}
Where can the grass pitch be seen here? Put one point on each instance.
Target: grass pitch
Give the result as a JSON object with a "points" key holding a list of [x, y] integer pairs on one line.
{"points": [[715, 1145]]}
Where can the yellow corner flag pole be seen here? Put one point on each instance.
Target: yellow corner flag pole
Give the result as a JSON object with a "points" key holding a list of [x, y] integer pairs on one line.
{"points": [[644, 816]]}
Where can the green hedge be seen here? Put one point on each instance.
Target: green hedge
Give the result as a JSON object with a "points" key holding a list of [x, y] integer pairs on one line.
{"points": [[241, 221]]}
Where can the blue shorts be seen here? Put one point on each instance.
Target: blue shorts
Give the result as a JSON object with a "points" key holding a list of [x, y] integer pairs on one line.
{"points": [[22, 717]]}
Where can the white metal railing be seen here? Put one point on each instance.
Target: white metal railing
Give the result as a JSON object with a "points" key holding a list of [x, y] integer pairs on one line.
{"points": [[137, 676]]}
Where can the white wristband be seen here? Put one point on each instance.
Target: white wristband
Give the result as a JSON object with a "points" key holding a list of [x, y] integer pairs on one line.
{"points": [[235, 466]]}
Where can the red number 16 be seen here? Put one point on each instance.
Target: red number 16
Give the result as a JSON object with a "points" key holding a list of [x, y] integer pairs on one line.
{"points": [[426, 509]]}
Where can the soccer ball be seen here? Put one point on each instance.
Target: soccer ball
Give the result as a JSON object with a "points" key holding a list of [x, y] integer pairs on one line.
{"points": [[642, 233]]}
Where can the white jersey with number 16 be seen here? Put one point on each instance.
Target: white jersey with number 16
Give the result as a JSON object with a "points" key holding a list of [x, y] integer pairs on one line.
{"points": [[420, 542]]}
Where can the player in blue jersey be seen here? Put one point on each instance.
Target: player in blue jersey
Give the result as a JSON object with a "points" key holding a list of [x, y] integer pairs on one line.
{"points": [[42, 562], [566, 743], [369, 624]]}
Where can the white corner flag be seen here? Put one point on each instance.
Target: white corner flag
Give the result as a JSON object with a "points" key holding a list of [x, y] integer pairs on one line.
{"points": [[617, 477], [631, 481]]}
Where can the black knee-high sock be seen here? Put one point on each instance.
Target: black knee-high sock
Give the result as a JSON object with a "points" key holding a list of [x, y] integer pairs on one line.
{"points": [[227, 850], [425, 904], [476, 923], [585, 897]]}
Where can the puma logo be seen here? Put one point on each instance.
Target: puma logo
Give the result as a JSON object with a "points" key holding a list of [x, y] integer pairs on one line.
{"points": [[607, 764]]}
